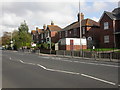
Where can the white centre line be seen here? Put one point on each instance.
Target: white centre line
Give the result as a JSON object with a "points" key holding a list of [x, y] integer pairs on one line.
{"points": [[75, 73], [42, 66], [26, 62], [105, 81], [57, 70], [21, 61]]}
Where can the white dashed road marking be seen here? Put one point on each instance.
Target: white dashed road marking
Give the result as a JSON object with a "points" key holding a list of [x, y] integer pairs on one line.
{"points": [[68, 72], [105, 81]]}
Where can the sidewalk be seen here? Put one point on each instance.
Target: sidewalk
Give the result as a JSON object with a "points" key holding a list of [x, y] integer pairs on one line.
{"points": [[84, 58]]}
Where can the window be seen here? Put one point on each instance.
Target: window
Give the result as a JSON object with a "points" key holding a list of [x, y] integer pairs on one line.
{"points": [[37, 37], [47, 39], [41, 36], [106, 39], [106, 25], [60, 34], [83, 30], [47, 34], [66, 33], [75, 32]]}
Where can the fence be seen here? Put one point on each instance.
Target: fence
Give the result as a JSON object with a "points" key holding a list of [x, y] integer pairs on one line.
{"points": [[84, 54], [37, 51], [91, 54]]}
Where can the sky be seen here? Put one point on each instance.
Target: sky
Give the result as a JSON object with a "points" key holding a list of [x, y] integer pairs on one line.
{"points": [[36, 13]]}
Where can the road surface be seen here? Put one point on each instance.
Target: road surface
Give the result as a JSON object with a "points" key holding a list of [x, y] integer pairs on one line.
{"points": [[25, 70]]}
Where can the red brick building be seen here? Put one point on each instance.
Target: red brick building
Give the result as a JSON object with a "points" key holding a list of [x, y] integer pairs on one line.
{"points": [[73, 30], [110, 29], [51, 32], [48, 33]]}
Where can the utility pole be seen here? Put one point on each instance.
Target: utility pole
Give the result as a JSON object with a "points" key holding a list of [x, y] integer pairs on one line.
{"points": [[114, 46], [80, 29]]}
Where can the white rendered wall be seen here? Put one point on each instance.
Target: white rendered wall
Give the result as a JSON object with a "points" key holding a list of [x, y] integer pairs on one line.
{"points": [[66, 41]]}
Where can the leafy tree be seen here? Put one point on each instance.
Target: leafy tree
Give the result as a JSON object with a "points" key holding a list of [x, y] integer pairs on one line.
{"points": [[6, 38], [23, 27], [22, 37], [47, 45]]}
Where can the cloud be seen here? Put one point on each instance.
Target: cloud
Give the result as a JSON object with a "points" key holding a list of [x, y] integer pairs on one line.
{"points": [[95, 19], [11, 20], [39, 13]]}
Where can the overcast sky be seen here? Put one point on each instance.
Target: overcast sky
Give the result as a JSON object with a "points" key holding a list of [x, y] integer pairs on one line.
{"points": [[38, 13]]}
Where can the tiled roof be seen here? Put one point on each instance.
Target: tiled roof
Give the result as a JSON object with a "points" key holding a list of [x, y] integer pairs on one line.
{"points": [[33, 31], [116, 10], [53, 28], [40, 30], [115, 14], [84, 22]]}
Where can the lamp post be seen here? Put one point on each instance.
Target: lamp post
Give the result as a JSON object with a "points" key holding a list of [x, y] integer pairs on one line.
{"points": [[114, 46], [80, 29]]}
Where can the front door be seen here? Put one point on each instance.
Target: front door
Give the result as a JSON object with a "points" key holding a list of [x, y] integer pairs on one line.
{"points": [[71, 45]]}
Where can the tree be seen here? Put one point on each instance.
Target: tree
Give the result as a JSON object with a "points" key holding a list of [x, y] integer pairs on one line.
{"points": [[23, 27], [22, 37], [6, 38]]}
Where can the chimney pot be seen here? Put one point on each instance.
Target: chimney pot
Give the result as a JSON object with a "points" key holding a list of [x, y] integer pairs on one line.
{"points": [[82, 16], [52, 23], [44, 27], [36, 28]]}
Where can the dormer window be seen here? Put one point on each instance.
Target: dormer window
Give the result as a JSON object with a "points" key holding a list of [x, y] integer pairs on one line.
{"points": [[106, 25]]}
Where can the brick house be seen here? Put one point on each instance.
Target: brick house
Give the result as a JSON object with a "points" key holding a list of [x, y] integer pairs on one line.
{"points": [[73, 30], [49, 32], [110, 29], [37, 35], [34, 38]]}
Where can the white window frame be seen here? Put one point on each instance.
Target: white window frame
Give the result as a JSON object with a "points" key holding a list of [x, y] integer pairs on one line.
{"points": [[106, 39], [106, 25]]}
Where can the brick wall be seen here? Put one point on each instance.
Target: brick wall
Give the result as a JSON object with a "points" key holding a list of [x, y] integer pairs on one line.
{"points": [[109, 32], [54, 36], [67, 47]]}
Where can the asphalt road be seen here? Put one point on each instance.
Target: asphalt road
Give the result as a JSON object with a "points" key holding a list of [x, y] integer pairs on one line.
{"points": [[24, 70]]}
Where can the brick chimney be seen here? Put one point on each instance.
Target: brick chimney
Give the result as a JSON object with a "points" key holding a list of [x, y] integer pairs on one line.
{"points": [[37, 28], [82, 16], [44, 27], [52, 23]]}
